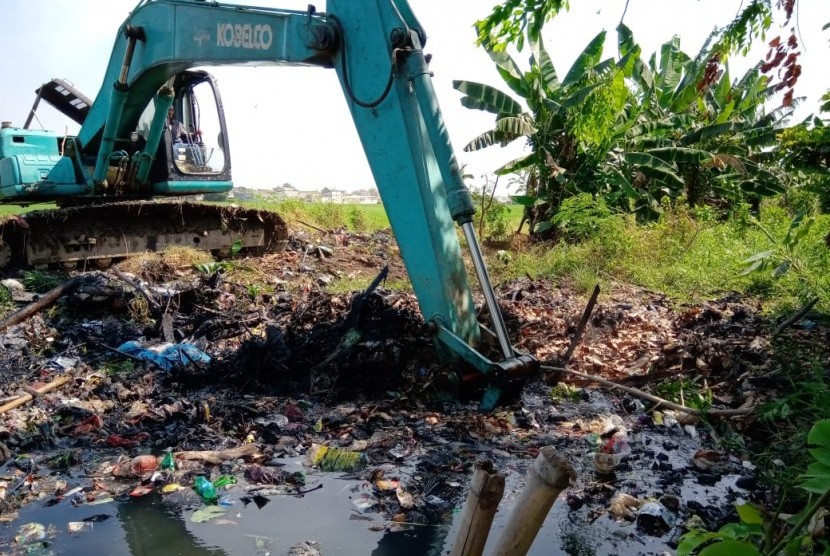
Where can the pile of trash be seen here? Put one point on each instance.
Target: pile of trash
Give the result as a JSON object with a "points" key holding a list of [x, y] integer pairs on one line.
{"points": [[180, 383]]}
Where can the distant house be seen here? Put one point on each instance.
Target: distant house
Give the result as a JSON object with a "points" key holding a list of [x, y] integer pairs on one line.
{"points": [[361, 199], [328, 195], [287, 191], [310, 196]]}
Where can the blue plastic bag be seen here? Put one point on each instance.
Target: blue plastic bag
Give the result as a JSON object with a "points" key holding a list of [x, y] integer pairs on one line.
{"points": [[166, 356]]}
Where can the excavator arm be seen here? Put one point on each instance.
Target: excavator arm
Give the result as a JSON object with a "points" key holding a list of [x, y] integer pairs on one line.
{"points": [[376, 48]]}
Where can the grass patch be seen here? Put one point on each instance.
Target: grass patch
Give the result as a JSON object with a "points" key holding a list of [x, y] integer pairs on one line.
{"points": [[353, 217], [329, 216], [360, 283], [41, 281], [8, 210], [684, 258]]}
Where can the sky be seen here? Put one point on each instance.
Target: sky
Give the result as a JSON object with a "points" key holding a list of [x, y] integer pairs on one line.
{"points": [[292, 124]]}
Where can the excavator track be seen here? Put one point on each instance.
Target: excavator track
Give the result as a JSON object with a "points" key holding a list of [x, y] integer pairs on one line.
{"points": [[100, 233]]}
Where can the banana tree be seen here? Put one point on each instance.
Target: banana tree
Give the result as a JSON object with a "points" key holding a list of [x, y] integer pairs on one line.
{"points": [[694, 133], [541, 116]]}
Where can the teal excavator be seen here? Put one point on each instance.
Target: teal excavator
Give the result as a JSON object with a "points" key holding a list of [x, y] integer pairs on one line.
{"points": [[109, 179]]}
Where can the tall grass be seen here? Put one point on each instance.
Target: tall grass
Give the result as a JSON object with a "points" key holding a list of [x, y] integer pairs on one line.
{"points": [[683, 257], [354, 217]]}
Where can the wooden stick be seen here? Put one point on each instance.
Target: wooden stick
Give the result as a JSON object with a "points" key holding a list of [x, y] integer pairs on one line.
{"points": [[137, 287], [25, 398], [581, 328], [486, 490], [46, 300], [312, 226], [653, 398], [549, 475], [796, 317]]}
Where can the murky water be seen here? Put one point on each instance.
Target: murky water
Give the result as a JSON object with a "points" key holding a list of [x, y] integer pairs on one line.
{"points": [[333, 516], [156, 525]]}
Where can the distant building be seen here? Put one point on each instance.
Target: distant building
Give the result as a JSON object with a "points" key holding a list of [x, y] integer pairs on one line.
{"points": [[288, 191], [361, 199], [310, 196], [335, 196]]}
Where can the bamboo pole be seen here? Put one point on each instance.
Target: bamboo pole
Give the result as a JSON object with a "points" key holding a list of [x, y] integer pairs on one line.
{"points": [[486, 490], [549, 475], [25, 398]]}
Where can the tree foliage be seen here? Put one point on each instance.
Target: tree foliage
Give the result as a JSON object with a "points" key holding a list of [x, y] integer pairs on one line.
{"points": [[628, 130], [510, 21]]}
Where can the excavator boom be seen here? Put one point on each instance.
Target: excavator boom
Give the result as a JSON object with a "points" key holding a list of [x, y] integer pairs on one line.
{"points": [[376, 48]]}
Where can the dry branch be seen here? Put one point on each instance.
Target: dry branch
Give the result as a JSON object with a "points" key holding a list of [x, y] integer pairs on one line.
{"points": [[137, 287], [313, 227], [796, 317], [46, 300], [581, 328], [652, 398]]}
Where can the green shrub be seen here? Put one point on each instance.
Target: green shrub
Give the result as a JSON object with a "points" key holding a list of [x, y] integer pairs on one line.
{"points": [[580, 217]]}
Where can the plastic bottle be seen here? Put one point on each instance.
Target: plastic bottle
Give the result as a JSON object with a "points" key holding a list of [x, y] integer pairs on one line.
{"points": [[205, 489]]}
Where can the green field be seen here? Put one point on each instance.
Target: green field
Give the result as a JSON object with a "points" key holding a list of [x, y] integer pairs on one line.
{"points": [[8, 210], [361, 218]]}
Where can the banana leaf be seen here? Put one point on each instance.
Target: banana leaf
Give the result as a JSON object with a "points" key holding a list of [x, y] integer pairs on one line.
{"points": [[586, 60], [484, 97]]}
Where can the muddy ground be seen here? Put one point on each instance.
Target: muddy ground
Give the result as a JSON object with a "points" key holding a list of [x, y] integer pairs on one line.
{"points": [[279, 368]]}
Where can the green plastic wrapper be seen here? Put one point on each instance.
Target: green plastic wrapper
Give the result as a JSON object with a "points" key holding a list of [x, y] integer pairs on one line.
{"points": [[335, 459]]}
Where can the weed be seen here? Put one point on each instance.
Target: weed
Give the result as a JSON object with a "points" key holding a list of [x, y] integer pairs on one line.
{"points": [[357, 219], [328, 215], [139, 311], [563, 391], [347, 284], [253, 290], [687, 391], [577, 542], [212, 267], [582, 216], [758, 529], [40, 281], [6, 303], [118, 367], [688, 260], [64, 460]]}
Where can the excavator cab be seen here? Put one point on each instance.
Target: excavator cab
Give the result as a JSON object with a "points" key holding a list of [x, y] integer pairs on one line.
{"points": [[193, 153]]}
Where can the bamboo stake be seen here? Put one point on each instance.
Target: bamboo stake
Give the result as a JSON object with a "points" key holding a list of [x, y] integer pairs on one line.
{"points": [[549, 475], [25, 398], [486, 490], [42, 303]]}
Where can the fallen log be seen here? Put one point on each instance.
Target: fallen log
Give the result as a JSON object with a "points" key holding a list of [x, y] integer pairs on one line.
{"points": [[29, 396], [46, 300]]}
